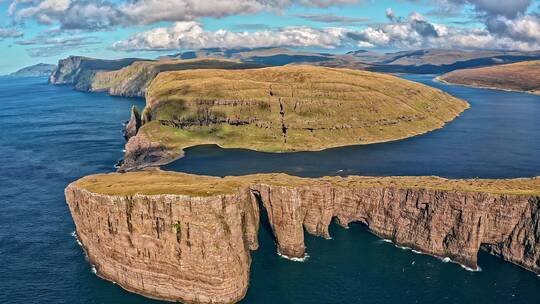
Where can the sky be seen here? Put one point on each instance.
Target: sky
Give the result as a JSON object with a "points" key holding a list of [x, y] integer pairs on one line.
{"points": [[34, 31]]}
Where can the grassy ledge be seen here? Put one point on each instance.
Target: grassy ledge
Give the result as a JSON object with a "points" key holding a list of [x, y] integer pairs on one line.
{"points": [[162, 182]]}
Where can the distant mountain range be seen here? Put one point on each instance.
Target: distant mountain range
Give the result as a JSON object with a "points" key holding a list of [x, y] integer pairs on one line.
{"points": [[430, 61], [131, 76], [38, 70]]}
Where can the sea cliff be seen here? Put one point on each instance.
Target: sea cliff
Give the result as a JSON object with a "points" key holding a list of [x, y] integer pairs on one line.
{"points": [[187, 238], [129, 77], [284, 109]]}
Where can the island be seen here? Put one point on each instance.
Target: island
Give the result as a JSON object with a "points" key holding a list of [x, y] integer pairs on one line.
{"points": [[187, 238], [521, 76], [281, 109], [37, 70]]}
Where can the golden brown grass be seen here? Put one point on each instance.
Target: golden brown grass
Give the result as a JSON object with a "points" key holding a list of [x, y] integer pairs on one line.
{"points": [[161, 182], [135, 78], [521, 76], [319, 107]]}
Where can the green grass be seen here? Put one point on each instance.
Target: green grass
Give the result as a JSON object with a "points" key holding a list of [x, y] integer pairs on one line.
{"points": [[319, 107], [161, 182]]}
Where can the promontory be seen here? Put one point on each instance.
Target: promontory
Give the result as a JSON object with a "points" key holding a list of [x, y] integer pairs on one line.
{"points": [[188, 238], [282, 109]]}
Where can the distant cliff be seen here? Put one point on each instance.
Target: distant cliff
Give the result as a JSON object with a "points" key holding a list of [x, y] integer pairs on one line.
{"points": [[80, 71], [187, 238], [38, 70], [127, 77]]}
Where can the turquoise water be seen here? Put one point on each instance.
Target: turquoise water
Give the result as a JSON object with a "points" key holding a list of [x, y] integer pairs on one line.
{"points": [[51, 136]]}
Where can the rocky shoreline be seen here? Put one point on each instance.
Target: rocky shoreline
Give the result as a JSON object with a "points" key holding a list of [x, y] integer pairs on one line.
{"points": [[188, 238]]}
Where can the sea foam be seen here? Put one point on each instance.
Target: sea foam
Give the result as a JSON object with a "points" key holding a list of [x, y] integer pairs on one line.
{"points": [[301, 260]]}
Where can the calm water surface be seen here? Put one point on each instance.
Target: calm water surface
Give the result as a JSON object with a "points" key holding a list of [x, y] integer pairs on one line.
{"points": [[51, 136]]}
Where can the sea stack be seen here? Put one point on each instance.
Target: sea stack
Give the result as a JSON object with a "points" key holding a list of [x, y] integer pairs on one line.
{"points": [[134, 123]]}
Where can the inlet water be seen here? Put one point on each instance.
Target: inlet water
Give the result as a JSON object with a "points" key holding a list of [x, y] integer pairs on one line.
{"points": [[51, 136]]}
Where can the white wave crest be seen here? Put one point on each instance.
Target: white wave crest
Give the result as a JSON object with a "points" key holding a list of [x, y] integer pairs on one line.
{"points": [[301, 260], [74, 234]]}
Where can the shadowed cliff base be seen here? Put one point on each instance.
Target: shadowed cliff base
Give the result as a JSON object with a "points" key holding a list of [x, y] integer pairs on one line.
{"points": [[187, 238]]}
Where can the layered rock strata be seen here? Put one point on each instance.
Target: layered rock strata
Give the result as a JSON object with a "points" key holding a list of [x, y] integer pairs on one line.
{"points": [[169, 247], [187, 238], [286, 109]]}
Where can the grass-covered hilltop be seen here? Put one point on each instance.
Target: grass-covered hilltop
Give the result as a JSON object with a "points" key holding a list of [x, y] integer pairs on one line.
{"points": [[521, 76], [289, 108]]}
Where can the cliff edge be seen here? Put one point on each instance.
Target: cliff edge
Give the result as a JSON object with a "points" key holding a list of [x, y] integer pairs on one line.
{"points": [[286, 109], [187, 238]]}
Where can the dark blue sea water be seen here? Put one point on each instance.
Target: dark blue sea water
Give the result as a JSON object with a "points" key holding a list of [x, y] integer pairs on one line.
{"points": [[51, 136]]}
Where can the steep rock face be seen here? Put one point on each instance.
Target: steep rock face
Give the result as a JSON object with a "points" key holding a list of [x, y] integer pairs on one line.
{"points": [[66, 70], [193, 245], [439, 223], [170, 247], [141, 152], [133, 125], [80, 71]]}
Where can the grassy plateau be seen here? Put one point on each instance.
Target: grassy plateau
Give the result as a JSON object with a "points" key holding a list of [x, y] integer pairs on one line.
{"points": [[291, 108]]}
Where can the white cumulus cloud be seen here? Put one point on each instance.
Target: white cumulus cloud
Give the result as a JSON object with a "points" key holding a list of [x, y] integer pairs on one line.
{"points": [[191, 35]]}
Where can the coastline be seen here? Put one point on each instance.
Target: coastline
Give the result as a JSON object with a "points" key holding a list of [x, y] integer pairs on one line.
{"points": [[180, 153], [489, 212], [440, 80]]}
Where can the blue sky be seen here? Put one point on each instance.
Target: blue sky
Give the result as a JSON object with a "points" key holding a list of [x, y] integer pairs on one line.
{"points": [[35, 31]]}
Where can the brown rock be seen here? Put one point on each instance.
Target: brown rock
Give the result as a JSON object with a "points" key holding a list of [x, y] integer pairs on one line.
{"points": [[142, 152], [440, 223], [170, 247], [134, 124], [195, 248]]}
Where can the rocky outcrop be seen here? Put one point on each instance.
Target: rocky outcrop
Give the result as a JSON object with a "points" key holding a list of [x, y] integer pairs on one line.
{"points": [[142, 152], [128, 77], [80, 71], [170, 247], [134, 124], [193, 246], [440, 223]]}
